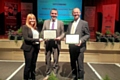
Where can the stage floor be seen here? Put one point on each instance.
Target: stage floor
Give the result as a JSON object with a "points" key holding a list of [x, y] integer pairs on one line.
{"points": [[13, 70]]}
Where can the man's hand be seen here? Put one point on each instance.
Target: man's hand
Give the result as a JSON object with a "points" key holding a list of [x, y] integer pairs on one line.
{"points": [[58, 38], [64, 39], [79, 44]]}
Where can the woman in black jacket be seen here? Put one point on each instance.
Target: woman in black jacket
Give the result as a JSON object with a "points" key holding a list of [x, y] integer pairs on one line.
{"points": [[30, 46]]}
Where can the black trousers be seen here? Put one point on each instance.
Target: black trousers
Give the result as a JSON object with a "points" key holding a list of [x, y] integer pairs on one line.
{"points": [[51, 48], [77, 61], [30, 63]]}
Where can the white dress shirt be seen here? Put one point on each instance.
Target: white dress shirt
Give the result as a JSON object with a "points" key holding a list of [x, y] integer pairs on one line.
{"points": [[35, 34]]}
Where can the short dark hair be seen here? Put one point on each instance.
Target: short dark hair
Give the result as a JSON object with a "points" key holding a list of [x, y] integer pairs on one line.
{"points": [[54, 9]]}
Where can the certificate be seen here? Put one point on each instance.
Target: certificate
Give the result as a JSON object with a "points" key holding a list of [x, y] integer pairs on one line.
{"points": [[72, 39], [49, 34]]}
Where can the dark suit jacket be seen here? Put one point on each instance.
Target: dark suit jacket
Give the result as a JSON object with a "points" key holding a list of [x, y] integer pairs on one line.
{"points": [[60, 30], [83, 31], [28, 42]]}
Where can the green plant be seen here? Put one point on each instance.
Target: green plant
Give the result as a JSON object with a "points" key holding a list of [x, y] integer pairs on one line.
{"points": [[19, 30], [117, 33], [98, 35], [15, 35], [108, 37], [106, 41], [16, 39], [108, 32], [10, 32], [112, 40], [106, 78], [52, 76]]}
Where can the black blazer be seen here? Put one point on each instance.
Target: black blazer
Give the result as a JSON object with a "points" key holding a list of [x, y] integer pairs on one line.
{"points": [[28, 42]]}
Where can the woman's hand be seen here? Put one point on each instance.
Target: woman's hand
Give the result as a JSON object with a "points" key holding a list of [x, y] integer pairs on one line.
{"points": [[41, 40]]}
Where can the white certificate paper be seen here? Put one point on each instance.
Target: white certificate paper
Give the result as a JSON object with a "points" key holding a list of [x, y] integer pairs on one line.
{"points": [[49, 34], [72, 39]]}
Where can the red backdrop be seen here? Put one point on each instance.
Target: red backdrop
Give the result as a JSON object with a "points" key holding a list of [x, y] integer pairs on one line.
{"points": [[2, 4], [10, 19], [99, 4], [108, 20]]}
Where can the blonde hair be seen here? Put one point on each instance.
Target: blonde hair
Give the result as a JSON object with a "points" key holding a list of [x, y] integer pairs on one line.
{"points": [[27, 21]]}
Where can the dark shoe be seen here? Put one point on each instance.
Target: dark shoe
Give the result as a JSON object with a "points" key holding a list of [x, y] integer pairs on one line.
{"points": [[80, 79], [74, 77], [55, 71]]}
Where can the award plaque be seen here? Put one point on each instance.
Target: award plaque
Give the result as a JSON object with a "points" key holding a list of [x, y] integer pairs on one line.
{"points": [[72, 39], [49, 34]]}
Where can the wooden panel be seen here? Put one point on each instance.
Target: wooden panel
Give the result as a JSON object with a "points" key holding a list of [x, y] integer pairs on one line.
{"points": [[96, 52]]}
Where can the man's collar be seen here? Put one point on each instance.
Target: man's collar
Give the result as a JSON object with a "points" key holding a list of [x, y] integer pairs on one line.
{"points": [[77, 20], [54, 20]]}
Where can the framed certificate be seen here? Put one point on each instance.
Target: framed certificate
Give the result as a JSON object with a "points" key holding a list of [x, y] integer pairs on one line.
{"points": [[72, 39], [49, 34]]}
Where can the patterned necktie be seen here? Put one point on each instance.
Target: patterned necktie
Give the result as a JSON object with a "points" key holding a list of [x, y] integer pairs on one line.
{"points": [[53, 25]]}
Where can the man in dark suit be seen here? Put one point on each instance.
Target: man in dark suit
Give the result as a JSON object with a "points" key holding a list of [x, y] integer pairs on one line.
{"points": [[80, 27], [53, 45]]}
